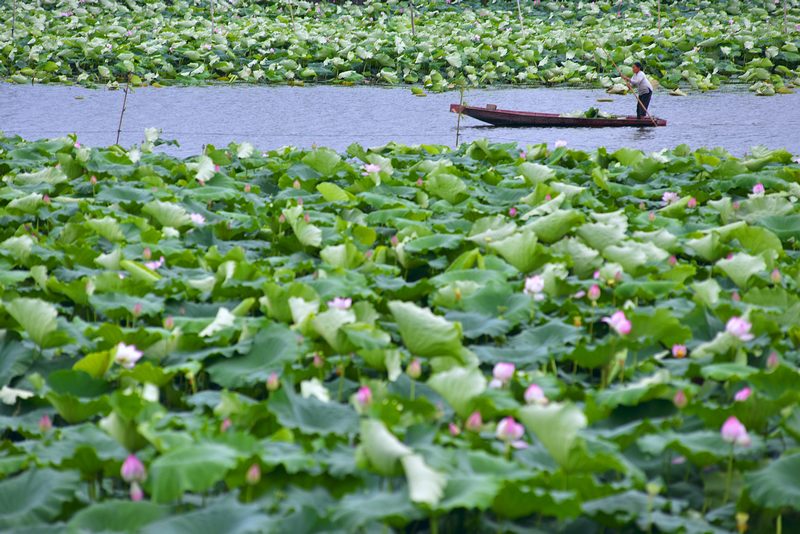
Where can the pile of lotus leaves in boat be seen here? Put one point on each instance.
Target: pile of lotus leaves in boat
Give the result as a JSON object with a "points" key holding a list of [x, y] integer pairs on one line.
{"points": [[401, 338], [700, 44]]}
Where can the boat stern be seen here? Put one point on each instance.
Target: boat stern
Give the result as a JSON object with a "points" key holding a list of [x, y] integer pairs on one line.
{"points": [[456, 108]]}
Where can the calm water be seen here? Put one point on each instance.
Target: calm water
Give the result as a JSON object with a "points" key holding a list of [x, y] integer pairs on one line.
{"points": [[270, 117]]}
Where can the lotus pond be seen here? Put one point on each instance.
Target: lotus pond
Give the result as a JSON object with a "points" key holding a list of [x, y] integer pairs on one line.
{"points": [[494, 338], [696, 44]]}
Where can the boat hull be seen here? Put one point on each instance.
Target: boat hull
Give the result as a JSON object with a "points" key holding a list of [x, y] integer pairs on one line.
{"points": [[505, 117]]}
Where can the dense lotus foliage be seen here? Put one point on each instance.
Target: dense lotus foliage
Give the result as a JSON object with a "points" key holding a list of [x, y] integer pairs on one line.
{"points": [[398, 339], [699, 45]]}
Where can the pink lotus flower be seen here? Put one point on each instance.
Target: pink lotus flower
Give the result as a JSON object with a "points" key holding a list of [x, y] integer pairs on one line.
{"points": [[534, 285], [216, 168], [548, 197], [414, 369], [692, 203], [155, 265], [758, 189], [512, 212], [364, 396], [340, 303], [509, 430], [225, 425], [594, 292], [45, 424], [680, 400], [371, 168], [394, 241], [93, 180], [137, 309], [197, 219], [679, 351], [503, 371], [454, 430], [77, 144], [169, 323], [133, 470], [672, 260], [273, 382], [253, 475], [739, 328], [670, 197], [560, 143], [535, 395], [136, 492], [619, 323], [742, 395], [474, 422], [522, 154], [736, 205], [733, 431], [127, 355], [775, 276]]}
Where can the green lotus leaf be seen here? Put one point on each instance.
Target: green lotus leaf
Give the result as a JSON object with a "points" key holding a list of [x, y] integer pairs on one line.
{"points": [[167, 214], [37, 317], [35, 497], [459, 386], [196, 467], [312, 415], [741, 267], [117, 516], [556, 425]]}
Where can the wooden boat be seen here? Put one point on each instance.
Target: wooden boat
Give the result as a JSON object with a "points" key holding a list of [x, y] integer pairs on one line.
{"points": [[505, 117]]}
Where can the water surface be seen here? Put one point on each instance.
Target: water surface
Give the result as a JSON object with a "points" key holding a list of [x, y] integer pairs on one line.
{"points": [[270, 117]]}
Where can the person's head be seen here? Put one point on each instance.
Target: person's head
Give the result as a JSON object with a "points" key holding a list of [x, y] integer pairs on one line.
{"points": [[637, 66]]}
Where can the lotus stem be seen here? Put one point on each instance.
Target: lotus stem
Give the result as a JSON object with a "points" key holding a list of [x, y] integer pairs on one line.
{"points": [[413, 28], [779, 521], [14, 18], [458, 119], [729, 478], [519, 11]]}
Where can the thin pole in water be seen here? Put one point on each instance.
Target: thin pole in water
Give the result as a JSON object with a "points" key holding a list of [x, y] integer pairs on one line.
{"points": [[458, 120], [519, 11], [212, 19], [659, 16], [14, 19], [124, 104], [413, 28], [785, 28]]}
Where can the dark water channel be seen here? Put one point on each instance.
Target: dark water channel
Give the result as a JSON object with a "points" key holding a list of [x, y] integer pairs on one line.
{"points": [[270, 117]]}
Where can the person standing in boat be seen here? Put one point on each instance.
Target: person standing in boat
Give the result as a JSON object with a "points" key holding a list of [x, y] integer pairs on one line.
{"points": [[643, 88]]}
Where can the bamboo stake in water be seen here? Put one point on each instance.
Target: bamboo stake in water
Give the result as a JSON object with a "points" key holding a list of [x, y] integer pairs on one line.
{"points": [[460, 109], [659, 16], [14, 19], [212, 19], [124, 105], [519, 11], [413, 28]]}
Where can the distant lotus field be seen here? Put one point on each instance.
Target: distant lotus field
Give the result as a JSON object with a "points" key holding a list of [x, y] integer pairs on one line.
{"points": [[410, 339], [697, 45]]}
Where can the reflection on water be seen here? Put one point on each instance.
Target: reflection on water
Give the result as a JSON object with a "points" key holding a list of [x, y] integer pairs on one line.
{"points": [[271, 117]]}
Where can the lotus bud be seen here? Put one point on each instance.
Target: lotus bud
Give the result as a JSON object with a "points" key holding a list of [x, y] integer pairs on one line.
{"points": [[93, 180], [509, 430], [394, 241], [741, 522], [672, 260], [651, 216], [512, 212], [364, 396], [299, 201], [414, 369], [246, 188], [535, 395], [216, 168], [733, 431], [775, 276], [642, 206], [758, 189], [133, 469], [319, 361], [454, 430], [735, 296], [692, 203], [225, 425], [296, 184], [273, 382], [147, 253], [282, 218], [773, 361], [680, 400], [136, 492], [137, 309], [253, 475], [736, 205], [548, 197], [742, 395], [419, 182], [169, 323], [474, 422], [594, 292], [306, 218], [46, 199], [45, 424]]}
